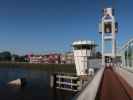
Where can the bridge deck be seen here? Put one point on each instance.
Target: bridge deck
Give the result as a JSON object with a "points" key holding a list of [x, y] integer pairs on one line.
{"points": [[113, 87]]}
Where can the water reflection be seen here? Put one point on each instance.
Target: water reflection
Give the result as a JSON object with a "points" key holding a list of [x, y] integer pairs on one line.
{"points": [[37, 87]]}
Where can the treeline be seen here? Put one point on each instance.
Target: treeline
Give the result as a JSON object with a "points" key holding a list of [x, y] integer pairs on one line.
{"points": [[7, 56]]}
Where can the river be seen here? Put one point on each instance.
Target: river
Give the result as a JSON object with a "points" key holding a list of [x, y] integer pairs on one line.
{"points": [[37, 87]]}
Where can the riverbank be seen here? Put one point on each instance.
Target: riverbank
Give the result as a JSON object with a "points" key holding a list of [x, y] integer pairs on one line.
{"points": [[70, 68]]}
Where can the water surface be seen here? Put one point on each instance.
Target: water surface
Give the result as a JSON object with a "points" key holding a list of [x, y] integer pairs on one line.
{"points": [[37, 87]]}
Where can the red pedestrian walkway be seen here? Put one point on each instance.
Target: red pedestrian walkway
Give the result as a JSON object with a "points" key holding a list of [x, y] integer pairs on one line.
{"points": [[113, 87]]}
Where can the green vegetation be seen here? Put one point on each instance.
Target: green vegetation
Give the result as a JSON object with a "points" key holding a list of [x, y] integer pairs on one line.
{"points": [[70, 68], [5, 56]]}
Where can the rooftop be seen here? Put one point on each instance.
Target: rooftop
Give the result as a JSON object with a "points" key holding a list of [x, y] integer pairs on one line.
{"points": [[84, 42]]}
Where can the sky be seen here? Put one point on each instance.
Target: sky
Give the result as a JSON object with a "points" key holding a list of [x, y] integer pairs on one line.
{"points": [[40, 26]]}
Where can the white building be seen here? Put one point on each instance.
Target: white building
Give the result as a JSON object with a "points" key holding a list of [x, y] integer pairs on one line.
{"points": [[108, 28], [52, 58], [82, 51], [35, 59]]}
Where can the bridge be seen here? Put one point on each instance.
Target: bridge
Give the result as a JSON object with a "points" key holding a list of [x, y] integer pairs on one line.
{"points": [[113, 81], [109, 83]]}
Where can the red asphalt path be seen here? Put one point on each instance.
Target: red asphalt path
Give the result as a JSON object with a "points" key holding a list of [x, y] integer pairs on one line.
{"points": [[112, 87]]}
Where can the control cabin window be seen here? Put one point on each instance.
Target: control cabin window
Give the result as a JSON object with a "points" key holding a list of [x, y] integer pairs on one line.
{"points": [[79, 47]]}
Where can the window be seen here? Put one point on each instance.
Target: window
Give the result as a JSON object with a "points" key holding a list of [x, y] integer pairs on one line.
{"points": [[108, 27], [78, 47]]}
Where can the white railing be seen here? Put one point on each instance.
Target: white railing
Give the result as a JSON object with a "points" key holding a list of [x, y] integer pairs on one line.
{"points": [[90, 92], [66, 82]]}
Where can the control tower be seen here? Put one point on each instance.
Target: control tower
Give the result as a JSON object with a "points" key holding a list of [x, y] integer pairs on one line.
{"points": [[82, 51], [108, 28]]}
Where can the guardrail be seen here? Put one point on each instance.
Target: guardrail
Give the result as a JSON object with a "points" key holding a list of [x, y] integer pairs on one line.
{"points": [[126, 74], [90, 92], [69, 83], [66, 82]]}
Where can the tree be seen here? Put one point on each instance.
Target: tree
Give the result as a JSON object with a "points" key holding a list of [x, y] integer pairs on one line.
{"points": [[18, 58], [5, 56]]}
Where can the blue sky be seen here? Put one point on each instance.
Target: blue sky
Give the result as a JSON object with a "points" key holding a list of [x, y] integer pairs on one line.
{"points": [[39, 26]]}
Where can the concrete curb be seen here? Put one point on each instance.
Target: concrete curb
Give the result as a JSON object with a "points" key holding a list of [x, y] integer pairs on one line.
{"points": [[90, 92]]}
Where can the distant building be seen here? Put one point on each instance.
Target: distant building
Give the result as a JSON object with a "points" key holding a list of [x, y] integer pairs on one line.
{"points": [[67, 58], [46, 59]]}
